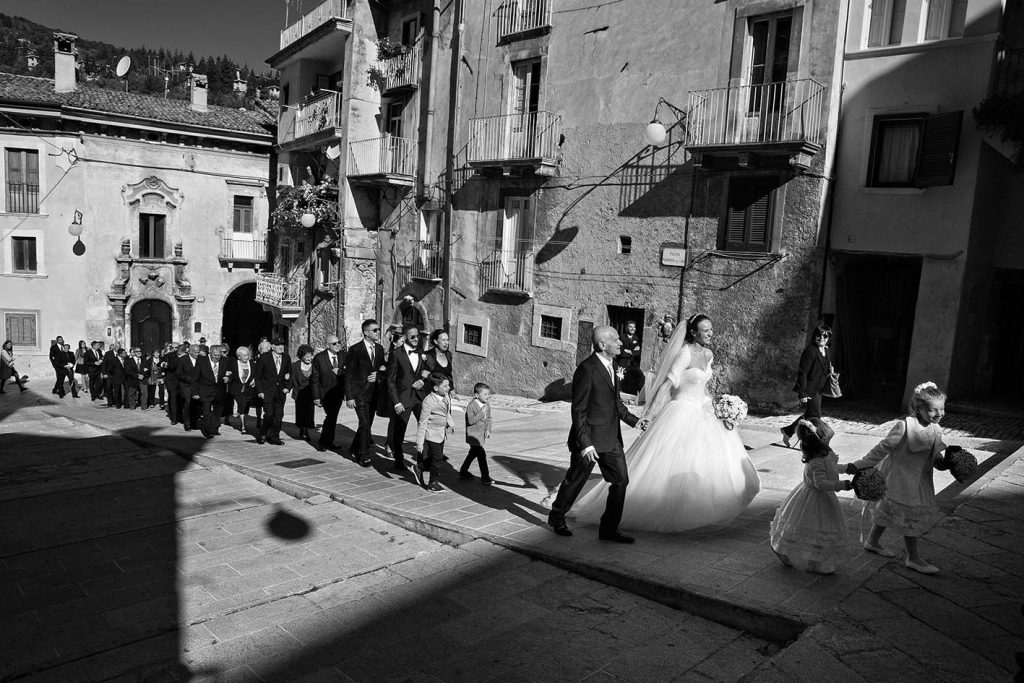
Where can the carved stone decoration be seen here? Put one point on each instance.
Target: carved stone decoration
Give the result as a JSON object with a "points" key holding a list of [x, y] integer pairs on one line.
{"points": [[151, 278], [172, 196], [184, 286]]}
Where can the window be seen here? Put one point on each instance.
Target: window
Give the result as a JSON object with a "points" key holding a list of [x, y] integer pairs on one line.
{"points": [[945, 19], [914, 150], [285, 91], [748, 221], [22, 181], [769, 59], [151, 235], [510, 266], [550, 327], [473, 335], [21, 328], [885, 23], [410, 30], [393, 118], [524, 103], [23, 255], [625, 244], [242, 218]]}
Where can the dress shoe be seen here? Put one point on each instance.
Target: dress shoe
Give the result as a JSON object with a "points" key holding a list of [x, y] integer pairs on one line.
{"points": [[486, 481], [878, 550], [365, 462], [434, 487], [561, 529], [616, 537], [260, 439], [320, 448], [921, 566], [275, 442]]}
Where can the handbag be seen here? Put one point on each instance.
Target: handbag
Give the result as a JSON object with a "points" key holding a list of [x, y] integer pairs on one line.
{"points": [[833, 390]]}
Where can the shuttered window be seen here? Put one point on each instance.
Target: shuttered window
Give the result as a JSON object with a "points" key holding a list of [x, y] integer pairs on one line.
{"points": [[946, 19], [242, 214], [22, 181], [21, 328], [886, 22], [914, 150], [23, 254], [748, 224]]}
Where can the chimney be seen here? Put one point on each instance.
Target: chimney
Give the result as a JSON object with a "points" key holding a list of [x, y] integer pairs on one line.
{"points": [[65, 59], [197, 89]]}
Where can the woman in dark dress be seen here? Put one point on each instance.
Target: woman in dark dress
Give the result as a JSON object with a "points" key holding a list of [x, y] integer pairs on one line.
{"points": [[302, 391], [811, 378], [439, 358]]}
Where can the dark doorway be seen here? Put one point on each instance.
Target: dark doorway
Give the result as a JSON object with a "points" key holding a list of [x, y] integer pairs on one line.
{"points": [[619, 317], [151, 325], [1008, 345], [244, 322], [876, 297], [584, 341]]}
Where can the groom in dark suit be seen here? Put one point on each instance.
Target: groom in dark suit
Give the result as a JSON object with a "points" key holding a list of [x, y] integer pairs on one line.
{"points": [[595, 436]]}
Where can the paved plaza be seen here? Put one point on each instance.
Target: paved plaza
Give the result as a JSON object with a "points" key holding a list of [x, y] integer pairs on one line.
{"points": [[709, 604]]}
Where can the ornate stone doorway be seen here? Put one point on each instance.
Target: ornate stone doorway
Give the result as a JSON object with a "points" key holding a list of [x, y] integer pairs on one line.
{"points": [[151, 325]]}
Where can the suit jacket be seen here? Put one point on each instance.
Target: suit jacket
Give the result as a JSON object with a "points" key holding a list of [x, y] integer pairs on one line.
{"points": [[90, 359], [478, 422], [358, 366], [270, 382], [238, 388], [813, 372], [400, 378], [57, 356], [631, 343], [113, 368], [188, 374], [210, 386], [597, 409], [132, 370], [324, 380]]}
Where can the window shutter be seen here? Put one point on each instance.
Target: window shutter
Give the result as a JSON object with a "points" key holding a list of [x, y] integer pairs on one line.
{"points": [[933, 27], [899, 12], [15, 169], [936, 162], [31, 167], [748, 225], [876, 27], [158, 237]]}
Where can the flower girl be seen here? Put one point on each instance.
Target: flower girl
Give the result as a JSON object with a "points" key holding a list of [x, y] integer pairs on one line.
{"points": [[908, 455], [809, 530]]}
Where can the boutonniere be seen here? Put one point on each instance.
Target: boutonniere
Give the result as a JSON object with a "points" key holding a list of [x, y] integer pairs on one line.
{"points": [[620, 373]]}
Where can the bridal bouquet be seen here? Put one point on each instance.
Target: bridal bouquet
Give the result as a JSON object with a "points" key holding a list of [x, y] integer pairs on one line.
{"points": [[869, 484], [960, 463], [730, 409]]}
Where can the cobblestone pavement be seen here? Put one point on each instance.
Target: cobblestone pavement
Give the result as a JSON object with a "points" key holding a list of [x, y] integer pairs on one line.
{"points": [[849, 626], [127, 562]]}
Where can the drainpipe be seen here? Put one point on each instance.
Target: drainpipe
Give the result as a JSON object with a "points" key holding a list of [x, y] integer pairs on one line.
{"points": [[435, 38], [454, 100]]}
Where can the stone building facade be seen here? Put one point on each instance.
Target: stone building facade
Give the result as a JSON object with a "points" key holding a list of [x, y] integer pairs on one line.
{"points": [[170, 198]]}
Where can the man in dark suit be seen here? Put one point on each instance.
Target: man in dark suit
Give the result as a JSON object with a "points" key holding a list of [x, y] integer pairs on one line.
{"points": [[629, 360], [327, 384], [364, 373], [69, 372], [219, 366], [209, 382], [113, 376], [135, 373], [170, 362], [405, 389], [93, 360], [188, 377], [57, 361], [595, 436], [272, 374]]}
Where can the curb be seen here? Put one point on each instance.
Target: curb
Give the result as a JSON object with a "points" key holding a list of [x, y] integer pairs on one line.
{"points": [[761, 622]]}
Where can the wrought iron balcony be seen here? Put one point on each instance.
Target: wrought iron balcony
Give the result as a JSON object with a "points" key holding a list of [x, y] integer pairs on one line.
{"points": [[750, 121], [387, 160], [518, 17], [313, 19], [22, 198], [427, 261], [528, 139], [277, 292], [242, 247], [312, 122], [508, 271], [402, 71]]}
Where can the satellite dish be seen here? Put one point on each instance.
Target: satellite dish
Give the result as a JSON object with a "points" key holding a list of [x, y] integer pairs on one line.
{"points": [[333, 152], [124, 65]]}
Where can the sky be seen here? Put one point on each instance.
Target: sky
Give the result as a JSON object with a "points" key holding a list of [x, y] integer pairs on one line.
{"points": [[245, 30]]}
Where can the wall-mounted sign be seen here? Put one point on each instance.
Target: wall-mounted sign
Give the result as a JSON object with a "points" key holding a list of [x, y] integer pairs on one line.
{"points": [[673, 256]]}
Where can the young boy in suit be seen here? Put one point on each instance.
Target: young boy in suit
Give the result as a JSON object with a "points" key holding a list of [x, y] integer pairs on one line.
{"points": [[478, 430]]}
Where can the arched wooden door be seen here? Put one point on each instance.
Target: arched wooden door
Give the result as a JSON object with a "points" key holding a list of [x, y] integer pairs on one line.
{"points": [[151, 325]]}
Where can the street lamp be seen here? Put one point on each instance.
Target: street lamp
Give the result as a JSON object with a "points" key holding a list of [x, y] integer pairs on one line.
{"points": [[655, 132], [75, 230]]}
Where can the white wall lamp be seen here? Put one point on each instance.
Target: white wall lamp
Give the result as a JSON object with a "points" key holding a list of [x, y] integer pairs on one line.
{"points": [[75, 230], [655, 132]]}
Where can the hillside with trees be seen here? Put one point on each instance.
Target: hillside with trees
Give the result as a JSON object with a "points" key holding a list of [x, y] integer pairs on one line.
{"points": [[27, 48]]}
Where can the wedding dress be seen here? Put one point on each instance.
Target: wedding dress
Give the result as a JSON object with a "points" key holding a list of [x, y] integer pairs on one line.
{"points": [[686, 470]]}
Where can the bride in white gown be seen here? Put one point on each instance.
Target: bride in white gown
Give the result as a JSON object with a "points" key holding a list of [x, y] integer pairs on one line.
{"points": [[686, 470]]}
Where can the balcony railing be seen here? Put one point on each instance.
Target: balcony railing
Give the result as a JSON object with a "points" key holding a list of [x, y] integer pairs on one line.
{"points": [[1009, 75], [520, 16], [787, 111], [388, 155], [426, 264], [243, 247], [22, 198], [275, 291], [514, 137], [402, 71], [318, 113], [319, 15], [508, 271]]}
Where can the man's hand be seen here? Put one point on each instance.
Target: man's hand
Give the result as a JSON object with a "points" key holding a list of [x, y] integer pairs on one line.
{"points": [[399, 408], [589, 454], [195, 397], [372, 377], [425, 374], [261, 395], [350, 403], [317, 402], [417, 384], [643, 424], [805, 399]]}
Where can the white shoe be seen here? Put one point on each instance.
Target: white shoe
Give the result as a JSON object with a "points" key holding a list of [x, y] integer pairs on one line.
{"points": [[879, 550], [922, 567]]}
